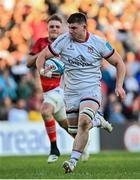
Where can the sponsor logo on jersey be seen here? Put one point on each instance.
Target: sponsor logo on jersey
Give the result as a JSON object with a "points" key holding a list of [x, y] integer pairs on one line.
{"points": [[70, 47], [90, 50], [80, 61]]}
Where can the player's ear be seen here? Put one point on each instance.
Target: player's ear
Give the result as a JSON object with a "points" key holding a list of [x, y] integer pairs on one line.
{"points": [[85, 26]]}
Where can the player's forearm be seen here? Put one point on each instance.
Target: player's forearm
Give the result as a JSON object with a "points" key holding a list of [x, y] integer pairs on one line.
{"points": [[31, 60], [121, 70], [40, 60], [43, 55], [118, 63]]}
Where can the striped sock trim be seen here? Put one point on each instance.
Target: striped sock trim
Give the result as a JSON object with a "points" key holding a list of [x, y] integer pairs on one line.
{"points": [[75, 155]]}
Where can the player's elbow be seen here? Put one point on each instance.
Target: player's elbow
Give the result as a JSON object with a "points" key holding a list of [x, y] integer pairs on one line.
{"points": [[30, 61], [28, 65], [38, 63], [124, 69]]}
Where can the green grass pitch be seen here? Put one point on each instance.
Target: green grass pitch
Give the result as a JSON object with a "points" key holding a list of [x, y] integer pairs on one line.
{"points": [[105, 165]]}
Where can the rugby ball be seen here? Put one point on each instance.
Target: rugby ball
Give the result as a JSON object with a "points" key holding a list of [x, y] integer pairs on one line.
{"points": [[58, 65]]}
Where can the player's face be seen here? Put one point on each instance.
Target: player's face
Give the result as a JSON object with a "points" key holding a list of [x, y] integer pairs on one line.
{"points": [[54, 29], [77, 31]]}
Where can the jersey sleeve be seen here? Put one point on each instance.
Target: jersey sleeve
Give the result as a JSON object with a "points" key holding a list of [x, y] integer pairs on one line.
{"points": [[35, 48], [58, 45], [38, 46], [104, 48]]}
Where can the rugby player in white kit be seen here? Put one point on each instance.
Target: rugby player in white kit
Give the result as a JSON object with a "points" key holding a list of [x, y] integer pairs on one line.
{"points": [[82, 52]]}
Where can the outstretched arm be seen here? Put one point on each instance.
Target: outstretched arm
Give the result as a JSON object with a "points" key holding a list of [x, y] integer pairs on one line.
{"points": [[117, 61]]}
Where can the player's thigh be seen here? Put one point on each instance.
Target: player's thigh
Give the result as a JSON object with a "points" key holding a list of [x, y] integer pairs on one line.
{"points": [[91, 104], [72, 104], [60, 115], [55, 98], [73, 122], [91, 99], [72, 109], [48, 100], [47, 108]]}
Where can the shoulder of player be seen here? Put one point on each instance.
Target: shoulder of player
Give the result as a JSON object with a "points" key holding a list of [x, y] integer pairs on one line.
{"points": [[62, 38], [42, 39], [97, 39], [39, 44]]}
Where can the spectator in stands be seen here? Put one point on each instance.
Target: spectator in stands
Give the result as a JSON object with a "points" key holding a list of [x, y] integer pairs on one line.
{"points": [[34, 114], [35, 100], [136, 108], [8, 85], [5, 107], [116, 116], [26, 87], [18, 114]]}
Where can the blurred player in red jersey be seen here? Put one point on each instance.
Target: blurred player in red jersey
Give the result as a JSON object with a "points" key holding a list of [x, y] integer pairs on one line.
{"points": [[53, 105]]}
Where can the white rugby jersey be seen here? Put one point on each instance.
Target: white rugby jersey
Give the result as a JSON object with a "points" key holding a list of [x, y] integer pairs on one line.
{"points": [[82, 60]]}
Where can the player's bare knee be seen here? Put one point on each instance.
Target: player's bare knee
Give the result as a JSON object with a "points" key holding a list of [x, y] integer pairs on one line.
{"points": [[84, 124], [86, 115], [46, 113], [63, 124]]}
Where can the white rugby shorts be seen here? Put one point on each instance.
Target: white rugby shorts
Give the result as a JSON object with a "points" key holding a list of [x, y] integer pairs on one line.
{"points": [[56, 98], [72, 101]]}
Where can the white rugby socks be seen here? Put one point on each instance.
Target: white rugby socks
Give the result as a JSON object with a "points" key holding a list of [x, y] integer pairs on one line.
{"points": [[75, 156]]}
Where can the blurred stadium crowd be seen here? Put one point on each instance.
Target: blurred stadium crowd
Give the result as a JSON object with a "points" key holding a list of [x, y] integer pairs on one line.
{"points": [[22, 22]]}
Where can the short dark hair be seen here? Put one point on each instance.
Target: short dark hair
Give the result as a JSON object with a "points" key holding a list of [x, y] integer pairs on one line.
{"points": [[77, 18], [55, 17]]}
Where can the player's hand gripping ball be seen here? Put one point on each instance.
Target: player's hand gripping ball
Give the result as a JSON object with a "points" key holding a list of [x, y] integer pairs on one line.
{"points": [[56, 64]]}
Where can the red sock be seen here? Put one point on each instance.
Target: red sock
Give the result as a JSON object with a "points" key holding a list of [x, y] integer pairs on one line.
{"points": [[51, 129]]}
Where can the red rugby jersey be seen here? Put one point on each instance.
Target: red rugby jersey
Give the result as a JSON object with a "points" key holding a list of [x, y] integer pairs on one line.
{"points": [[47, 83]]}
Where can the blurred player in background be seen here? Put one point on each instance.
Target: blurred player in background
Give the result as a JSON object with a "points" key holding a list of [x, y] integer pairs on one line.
{"points": [[53, 105], [82, 52]]}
